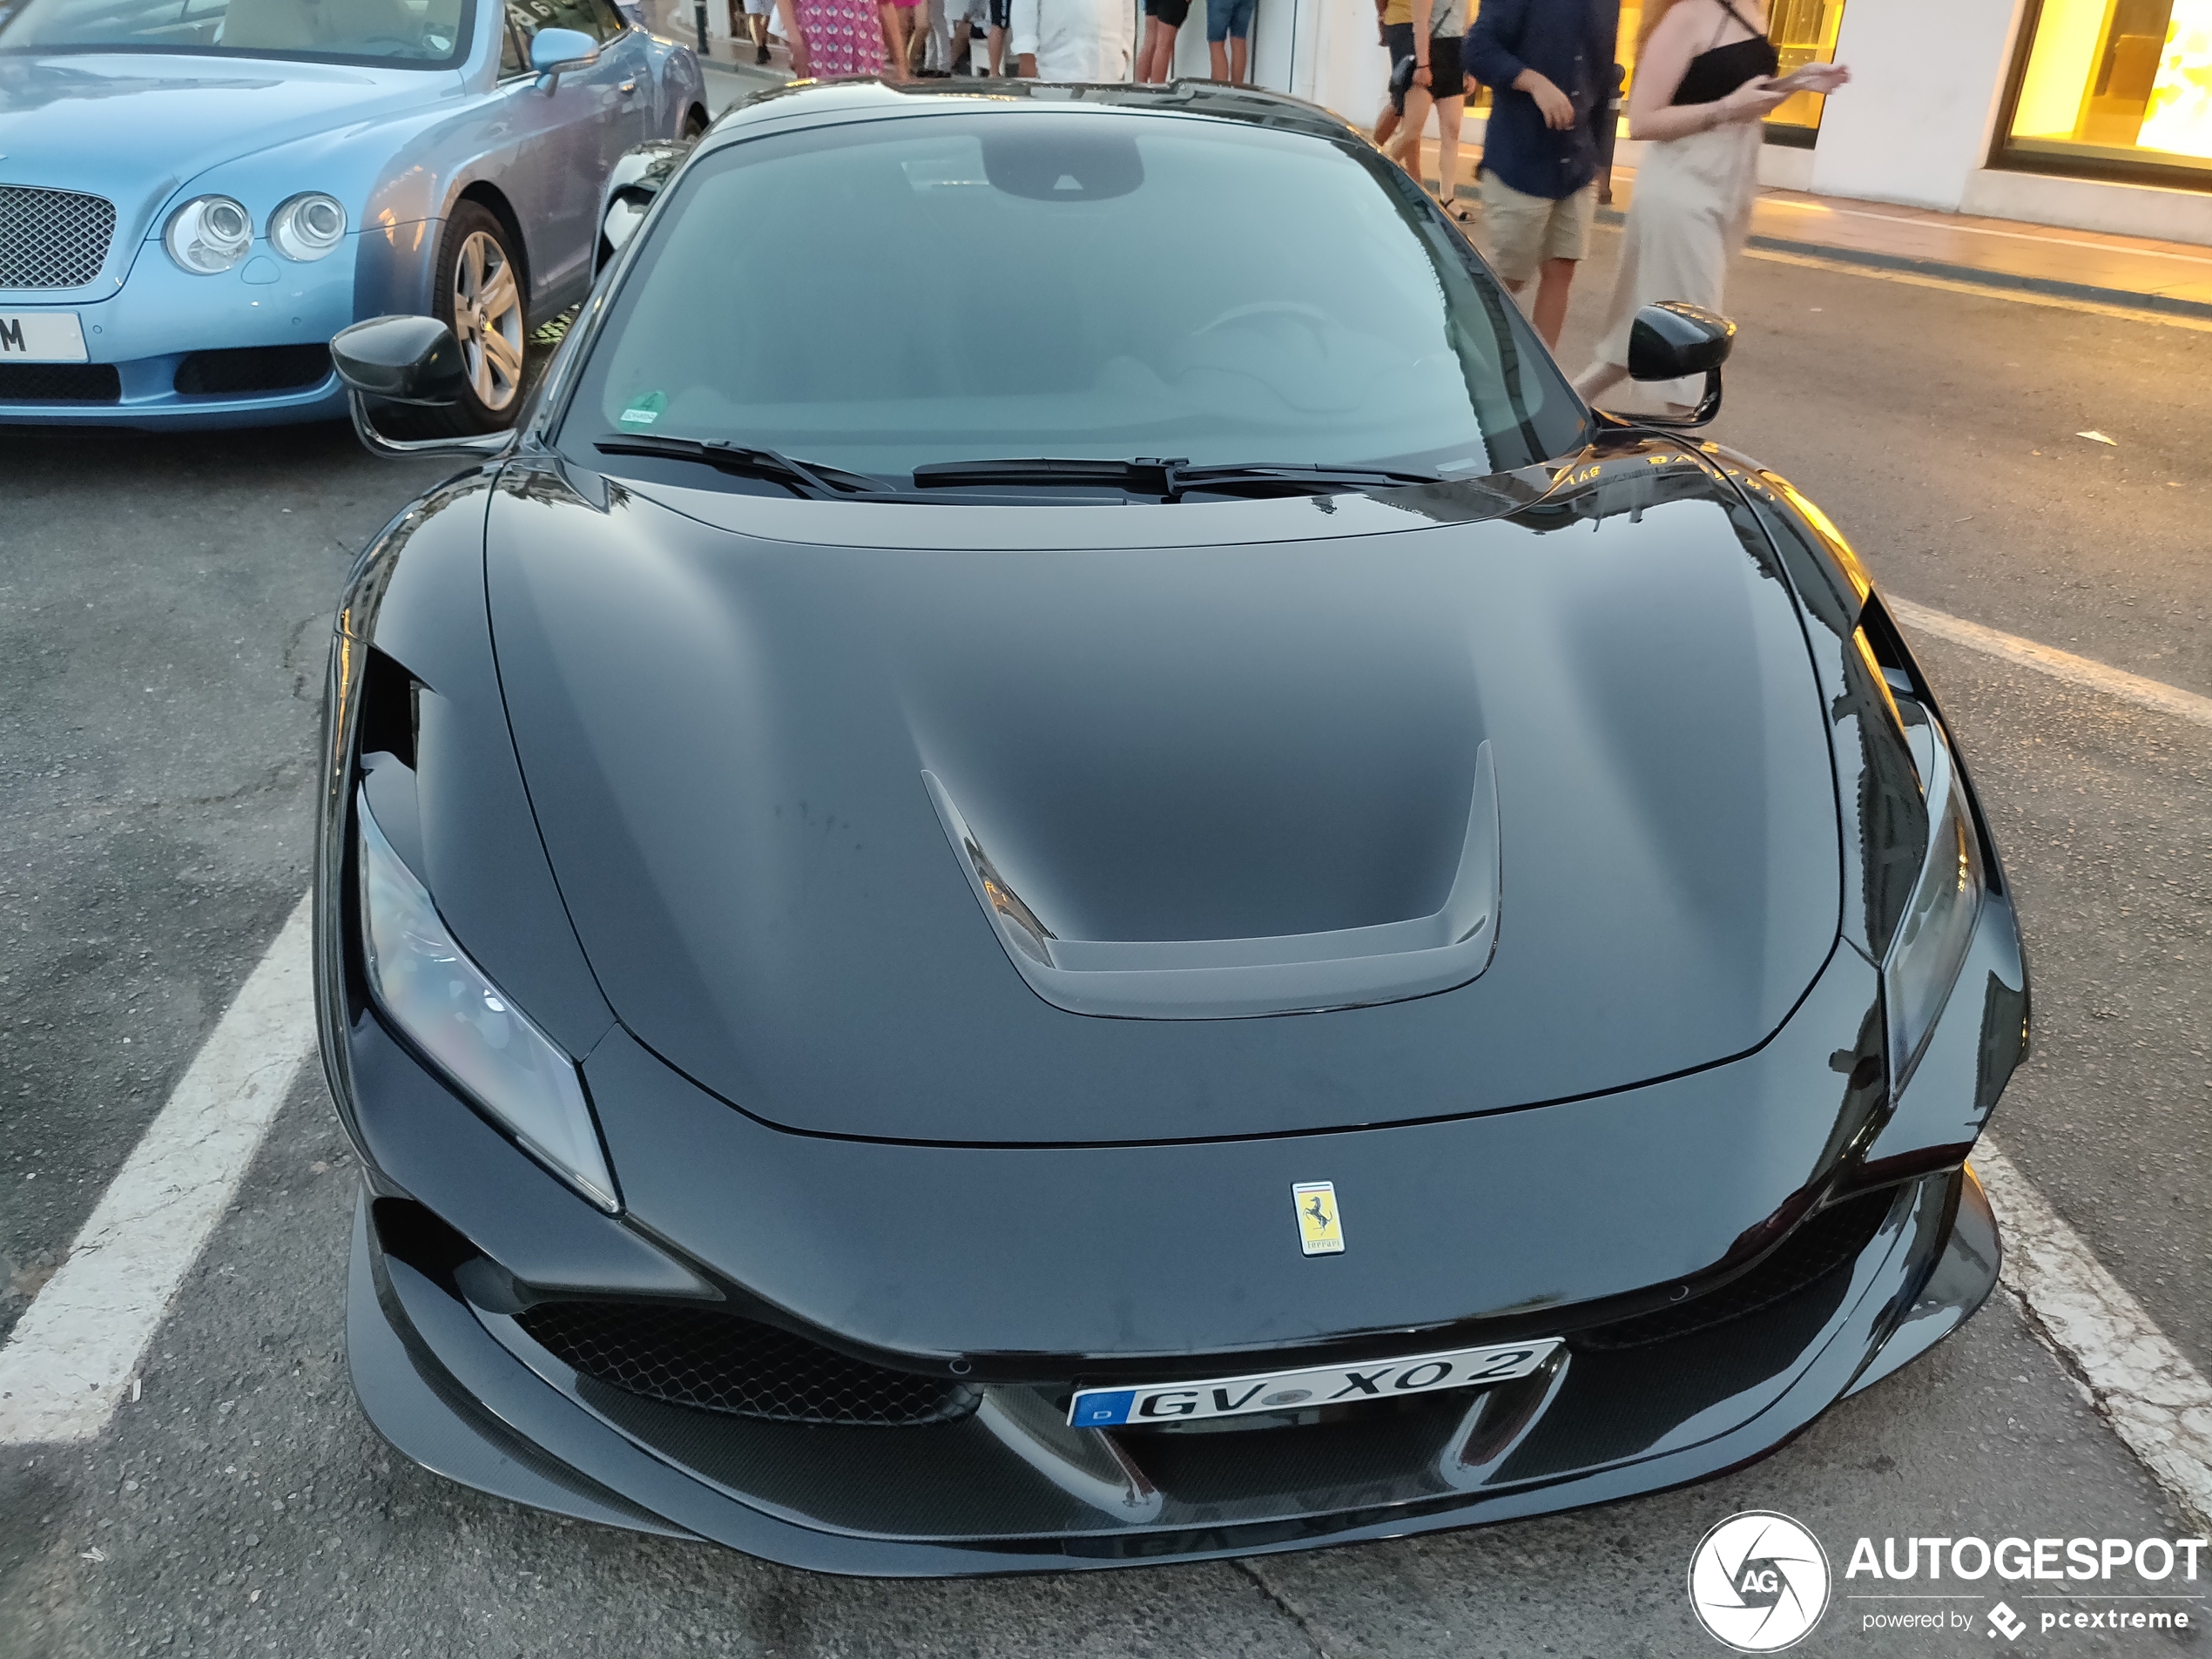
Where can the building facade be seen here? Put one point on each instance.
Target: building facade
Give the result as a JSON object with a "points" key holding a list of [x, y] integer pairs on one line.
{"points": [[2095, 114]]}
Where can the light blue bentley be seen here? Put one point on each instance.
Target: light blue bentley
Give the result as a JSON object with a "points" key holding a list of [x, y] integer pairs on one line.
{"points": [[196, 194]]}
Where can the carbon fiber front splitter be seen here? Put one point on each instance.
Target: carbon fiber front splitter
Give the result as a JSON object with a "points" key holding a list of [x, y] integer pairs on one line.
{"points": [[443, 1390]]}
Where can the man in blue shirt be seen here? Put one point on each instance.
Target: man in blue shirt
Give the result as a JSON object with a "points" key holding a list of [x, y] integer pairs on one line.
{"points": [[1549, 64]]}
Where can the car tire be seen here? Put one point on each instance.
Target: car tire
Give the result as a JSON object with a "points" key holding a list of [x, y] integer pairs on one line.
{"points": [[694, 124], [479, 293]]}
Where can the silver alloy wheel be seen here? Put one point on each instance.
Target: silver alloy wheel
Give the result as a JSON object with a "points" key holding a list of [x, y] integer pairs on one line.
{"points": [[488, 319]]}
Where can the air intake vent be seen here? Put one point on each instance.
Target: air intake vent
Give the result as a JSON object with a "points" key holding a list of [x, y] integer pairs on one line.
{"points": [[52, 239], [1821, 1245], [252, 369], [720, 1363], [60, 383]]}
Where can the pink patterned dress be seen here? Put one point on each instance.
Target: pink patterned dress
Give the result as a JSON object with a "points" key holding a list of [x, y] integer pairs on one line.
{"points": [[843, 37]]}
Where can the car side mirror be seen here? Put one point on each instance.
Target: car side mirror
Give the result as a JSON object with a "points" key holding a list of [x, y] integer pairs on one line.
{"points": [[636, 182], [400, 360], [553, 51], [1673, 339], [412, 361]]}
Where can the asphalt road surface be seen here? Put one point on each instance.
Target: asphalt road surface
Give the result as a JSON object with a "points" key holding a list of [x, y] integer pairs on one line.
{"points": [[163, 606]]}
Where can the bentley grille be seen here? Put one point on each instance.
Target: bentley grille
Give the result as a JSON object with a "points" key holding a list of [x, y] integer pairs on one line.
{"points": [[52, 239]]}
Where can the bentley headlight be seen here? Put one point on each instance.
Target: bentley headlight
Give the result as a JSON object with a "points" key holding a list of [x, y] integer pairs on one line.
{"points": [[1937, 925], [308, 226], [465, 1025], [208, 234]]}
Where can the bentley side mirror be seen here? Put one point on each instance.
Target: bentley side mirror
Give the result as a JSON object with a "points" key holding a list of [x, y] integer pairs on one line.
{"points": [[555, 51], [411, 360], [637, 180], [1673, 339]]}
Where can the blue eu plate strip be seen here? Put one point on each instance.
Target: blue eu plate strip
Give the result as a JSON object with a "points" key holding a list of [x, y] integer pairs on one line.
{"points": [[1104, 1411]]}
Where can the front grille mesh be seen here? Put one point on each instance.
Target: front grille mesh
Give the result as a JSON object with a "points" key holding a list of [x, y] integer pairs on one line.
{"points": [[52, 239], [718, 1362], [1821, 1244]]}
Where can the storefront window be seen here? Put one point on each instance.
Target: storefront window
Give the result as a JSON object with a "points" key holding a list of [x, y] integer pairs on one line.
{"points": [[2117, 88], [1803, 31]]}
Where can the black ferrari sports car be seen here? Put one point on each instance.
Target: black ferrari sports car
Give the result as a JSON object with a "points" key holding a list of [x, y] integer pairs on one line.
{"points": [[1062, 868]]}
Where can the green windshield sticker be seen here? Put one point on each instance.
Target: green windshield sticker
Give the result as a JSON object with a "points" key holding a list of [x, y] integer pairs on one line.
{"points": [[644, 411]]}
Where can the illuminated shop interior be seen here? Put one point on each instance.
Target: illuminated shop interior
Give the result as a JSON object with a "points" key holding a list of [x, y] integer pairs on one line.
{"points": [[2113, 87]]}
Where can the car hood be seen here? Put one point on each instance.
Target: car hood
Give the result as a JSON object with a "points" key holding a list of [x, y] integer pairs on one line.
{"points": [[134, 126], [1179, 724]]}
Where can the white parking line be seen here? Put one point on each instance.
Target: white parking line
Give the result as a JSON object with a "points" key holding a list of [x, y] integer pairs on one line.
{"points": [[2059, 665], [2157, 1402], [70, 1358]]}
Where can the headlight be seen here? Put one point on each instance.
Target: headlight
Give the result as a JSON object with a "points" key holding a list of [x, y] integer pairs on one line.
{"points": [[308, 226], [1937, 925], [208, 234], [460, 1019]]}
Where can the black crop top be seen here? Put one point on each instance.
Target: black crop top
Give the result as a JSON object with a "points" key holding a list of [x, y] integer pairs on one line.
{"points": [[1713, 75]]}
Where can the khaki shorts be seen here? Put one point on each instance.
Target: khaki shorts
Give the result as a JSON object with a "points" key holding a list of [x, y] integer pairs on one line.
{"points": [[1520, 232]]}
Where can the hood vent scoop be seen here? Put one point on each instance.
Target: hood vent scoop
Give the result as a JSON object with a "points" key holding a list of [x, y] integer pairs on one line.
{"points": [[1227, 979]]}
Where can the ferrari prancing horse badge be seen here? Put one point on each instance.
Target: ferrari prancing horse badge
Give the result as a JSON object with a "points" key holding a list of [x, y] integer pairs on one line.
{"points": [[1320, 1230]]}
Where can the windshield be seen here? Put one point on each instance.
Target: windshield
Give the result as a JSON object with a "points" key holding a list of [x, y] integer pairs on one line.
{"points": [[1083, 284], [404, 33]]}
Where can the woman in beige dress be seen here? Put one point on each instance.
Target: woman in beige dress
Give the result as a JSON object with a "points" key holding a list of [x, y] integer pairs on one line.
{"points": [[1704, 82]]}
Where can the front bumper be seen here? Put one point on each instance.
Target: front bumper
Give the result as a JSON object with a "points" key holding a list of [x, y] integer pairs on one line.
{"points": [[448, 1383], [163, 323]]}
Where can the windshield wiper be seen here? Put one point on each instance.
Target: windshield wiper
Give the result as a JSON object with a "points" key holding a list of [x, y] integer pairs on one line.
{"points": [[1168, 480], [807, 479]]}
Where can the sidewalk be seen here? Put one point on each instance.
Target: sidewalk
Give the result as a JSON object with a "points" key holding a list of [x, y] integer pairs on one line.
{"points": [[2130, 273], [2127, 271]]}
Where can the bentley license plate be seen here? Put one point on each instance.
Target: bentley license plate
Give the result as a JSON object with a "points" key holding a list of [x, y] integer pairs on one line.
{"points": [[1287, 1391], [41, 337]]}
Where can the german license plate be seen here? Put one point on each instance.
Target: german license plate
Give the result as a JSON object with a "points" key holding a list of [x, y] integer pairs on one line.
{"points": [[41, 337], [1290, 1391]]}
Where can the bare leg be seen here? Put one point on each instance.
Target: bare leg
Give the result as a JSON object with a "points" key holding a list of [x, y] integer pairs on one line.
{"points": [[1219, 51], [895, 42], [1554, 279], [1598, 379], [998, 50], [1408, 152], [1239, 51], [963, 58], [1448, 111], [1385, 125], [758, 22]]}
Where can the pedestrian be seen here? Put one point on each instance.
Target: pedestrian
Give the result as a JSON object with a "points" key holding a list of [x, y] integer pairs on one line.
{"points": [[1702, 86], [1002, 15], [1438, 29], [1072, 40], [1156, 58], [1229, 37], [967, 14], [1394, 21], [755, 13], [834, 38], [1549, 65], [899, 36]]}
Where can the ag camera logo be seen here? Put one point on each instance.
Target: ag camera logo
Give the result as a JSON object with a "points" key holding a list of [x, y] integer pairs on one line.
{"points": [[1758, 1582]]}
